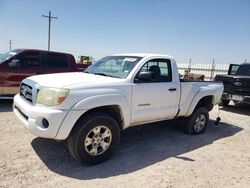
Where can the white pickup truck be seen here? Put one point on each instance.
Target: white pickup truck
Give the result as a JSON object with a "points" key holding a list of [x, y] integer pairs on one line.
{"points": [[90, 109]]}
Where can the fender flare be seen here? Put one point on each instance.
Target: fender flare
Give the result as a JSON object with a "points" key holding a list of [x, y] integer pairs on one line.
{"points": [[197, 97]]}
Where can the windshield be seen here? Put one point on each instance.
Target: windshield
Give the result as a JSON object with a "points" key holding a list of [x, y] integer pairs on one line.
{"points": [[114, 66], [244, 70], [8, 55]]}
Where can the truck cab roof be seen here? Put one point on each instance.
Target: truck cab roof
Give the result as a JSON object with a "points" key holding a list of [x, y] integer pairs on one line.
{"points": [[38, 50], [144, 55]]}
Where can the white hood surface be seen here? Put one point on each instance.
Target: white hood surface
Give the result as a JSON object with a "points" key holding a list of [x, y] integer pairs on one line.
{"points": [[61, 80]]}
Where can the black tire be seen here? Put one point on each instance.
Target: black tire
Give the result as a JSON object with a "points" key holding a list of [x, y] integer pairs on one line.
{"points": [[190, 126], [82, 129], [224, 103]]}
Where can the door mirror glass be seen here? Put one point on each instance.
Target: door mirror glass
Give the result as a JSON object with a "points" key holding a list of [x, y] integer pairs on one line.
{"points": [[15, 63], [144, 76]]}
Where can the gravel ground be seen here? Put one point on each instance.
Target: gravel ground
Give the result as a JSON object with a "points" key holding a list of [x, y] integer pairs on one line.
{"points": [[156, 155]]}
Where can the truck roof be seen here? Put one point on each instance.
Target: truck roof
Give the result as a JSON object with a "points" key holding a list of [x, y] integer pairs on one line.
{"points": [[38, 50], [143, 55]]}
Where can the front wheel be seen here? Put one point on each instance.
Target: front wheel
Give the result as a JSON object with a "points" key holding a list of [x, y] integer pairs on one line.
{"points": [[94, 138], [197, 122]]}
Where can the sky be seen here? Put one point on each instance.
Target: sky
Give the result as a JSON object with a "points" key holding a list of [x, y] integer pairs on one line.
{"points": [[199, 29]]}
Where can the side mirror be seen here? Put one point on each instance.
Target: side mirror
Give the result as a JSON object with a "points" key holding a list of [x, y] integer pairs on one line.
{"points": [[15, 63], [145, 76]]}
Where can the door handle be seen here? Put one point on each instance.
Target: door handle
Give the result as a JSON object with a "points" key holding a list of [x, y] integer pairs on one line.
{"points": [[172, 89]]}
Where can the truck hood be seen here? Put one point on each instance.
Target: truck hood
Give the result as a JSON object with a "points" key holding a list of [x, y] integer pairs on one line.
{"points": [[65, 80]]}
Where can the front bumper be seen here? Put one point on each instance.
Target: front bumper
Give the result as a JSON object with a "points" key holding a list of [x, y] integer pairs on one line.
{"points": [[32, 117], [238, 98]]}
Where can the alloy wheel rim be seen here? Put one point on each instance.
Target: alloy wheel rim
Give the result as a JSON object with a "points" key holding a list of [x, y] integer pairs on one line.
{"points": [[200, 123], [98, 140]]}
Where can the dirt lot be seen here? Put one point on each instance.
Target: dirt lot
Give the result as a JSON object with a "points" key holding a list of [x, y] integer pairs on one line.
{"points": [[157, 155]]}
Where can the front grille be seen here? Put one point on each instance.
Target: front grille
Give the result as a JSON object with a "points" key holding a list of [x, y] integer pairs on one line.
{"points": [[26, 92]]}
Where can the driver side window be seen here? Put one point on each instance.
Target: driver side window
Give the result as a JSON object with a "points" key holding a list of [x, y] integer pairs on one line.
{"points": [[161, 69]]}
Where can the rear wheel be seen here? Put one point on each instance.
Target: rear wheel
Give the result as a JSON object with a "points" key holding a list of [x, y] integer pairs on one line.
{"points": [[197, 122], [224, 102], [94, 138]]}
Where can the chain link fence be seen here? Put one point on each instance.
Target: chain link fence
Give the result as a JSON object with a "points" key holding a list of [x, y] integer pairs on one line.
{"points": [[209, 70]]}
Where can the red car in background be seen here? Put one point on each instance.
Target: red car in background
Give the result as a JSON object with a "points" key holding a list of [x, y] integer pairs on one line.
{"points": [[18, 64]]}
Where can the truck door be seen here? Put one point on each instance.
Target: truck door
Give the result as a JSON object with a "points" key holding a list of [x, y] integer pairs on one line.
{"points": [[19, 67], [157, 99], [55, 63]]}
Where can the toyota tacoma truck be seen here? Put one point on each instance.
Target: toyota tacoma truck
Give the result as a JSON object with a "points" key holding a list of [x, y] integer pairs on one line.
{"points": [[91, 108], [18, 64], [236, 84]]}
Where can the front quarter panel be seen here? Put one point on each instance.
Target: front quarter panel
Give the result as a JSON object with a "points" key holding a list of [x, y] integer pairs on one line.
{"points": [[94, 102]]}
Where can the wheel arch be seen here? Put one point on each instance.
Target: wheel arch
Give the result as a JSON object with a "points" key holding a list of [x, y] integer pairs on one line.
{"points": [[114, 105], [206, 101], [113, 111]]}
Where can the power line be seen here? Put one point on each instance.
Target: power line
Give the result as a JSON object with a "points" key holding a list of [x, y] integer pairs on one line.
{"points": [[49, 17]]}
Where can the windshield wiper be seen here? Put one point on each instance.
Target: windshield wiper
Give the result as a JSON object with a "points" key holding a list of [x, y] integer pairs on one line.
{"points": [[100, 73], [97, 73], [103, 74]]}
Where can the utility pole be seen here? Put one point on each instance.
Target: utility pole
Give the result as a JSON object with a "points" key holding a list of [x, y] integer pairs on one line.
{"points": [[10, 43], [212, 70], [49, 17], [189, 65]]}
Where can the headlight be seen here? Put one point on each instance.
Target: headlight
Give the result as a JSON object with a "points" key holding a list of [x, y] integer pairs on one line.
{"points": [[51, 96]]}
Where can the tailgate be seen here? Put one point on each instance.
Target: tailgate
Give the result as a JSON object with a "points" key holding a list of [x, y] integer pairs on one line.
{"points": [[239, 85]]}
